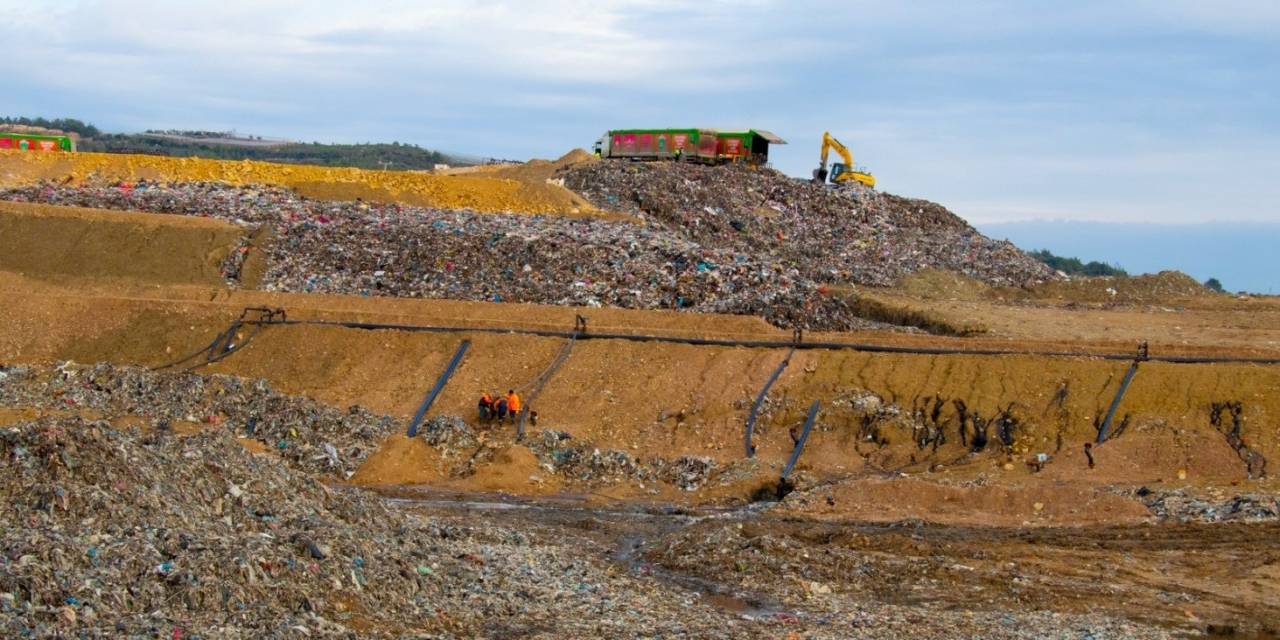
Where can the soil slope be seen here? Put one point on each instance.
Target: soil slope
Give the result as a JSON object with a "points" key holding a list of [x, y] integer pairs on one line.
{"points": [[480, 193]]}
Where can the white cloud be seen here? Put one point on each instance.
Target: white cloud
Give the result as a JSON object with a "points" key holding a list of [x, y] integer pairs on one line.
{"points": [[611, 42], [1000, 109]]}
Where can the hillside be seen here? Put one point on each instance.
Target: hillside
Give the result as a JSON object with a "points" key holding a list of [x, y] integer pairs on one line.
{"points": [[227, 146]]}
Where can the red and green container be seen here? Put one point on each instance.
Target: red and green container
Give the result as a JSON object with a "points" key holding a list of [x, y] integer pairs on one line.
{"points": [[704, 145], [32, 142]]}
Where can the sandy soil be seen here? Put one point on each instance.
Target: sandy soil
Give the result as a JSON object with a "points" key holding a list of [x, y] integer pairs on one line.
{"points": [[479, 192], [71, 244]]}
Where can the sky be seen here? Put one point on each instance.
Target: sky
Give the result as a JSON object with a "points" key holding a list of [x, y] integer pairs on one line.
{"points": [[1241, 255], [1119, 111]]}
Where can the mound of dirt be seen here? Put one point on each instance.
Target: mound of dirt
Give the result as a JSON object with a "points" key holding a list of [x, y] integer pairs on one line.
{"points": [[56, 243], [1013, 505], [481, 193], [1160, 288], [936, 284], [542, 170]]}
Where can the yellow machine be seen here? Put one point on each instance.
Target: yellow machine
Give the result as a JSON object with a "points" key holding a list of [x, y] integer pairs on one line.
{"points": [[840, 171]]}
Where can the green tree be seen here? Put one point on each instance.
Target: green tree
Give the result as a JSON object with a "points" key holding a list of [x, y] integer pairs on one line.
{"points": [[1214, 284], [1074, 267]]}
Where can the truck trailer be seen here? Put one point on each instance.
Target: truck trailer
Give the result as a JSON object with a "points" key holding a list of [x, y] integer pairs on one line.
{"points": [[711, 146]]}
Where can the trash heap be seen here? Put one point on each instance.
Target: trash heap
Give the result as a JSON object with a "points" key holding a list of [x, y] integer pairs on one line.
{"points": [[834, 235], [306, 434], [112, 534], [1183, 506], [450, 435], [392, 250], [585, 463], [106, 532]]}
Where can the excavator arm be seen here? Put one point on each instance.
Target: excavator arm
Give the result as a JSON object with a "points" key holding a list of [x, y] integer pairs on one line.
{"points": [[828, 143]]}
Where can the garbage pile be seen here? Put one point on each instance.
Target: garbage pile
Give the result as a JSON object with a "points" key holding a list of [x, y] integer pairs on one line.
{"points": [[108, 533], [306, 434], [450, 434], [392, 250], [834, 235], [1182, 506], [583, 462]]}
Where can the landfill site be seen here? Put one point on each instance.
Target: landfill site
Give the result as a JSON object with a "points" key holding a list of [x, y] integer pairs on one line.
{"points": [[242, 400]]}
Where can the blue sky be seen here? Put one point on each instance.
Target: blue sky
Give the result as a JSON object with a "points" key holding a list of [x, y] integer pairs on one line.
{"points": [[1241, 255], [1138, 111]]}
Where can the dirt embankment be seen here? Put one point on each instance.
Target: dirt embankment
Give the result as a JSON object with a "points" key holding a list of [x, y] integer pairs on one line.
{"points": [[481, 193], [673, 400], [76, 245]]}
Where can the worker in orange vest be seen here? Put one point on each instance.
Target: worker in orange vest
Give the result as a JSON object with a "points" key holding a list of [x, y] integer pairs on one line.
{"points": [[485, 406], [513, 404]]}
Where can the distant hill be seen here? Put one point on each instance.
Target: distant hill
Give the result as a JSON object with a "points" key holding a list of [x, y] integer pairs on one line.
{"points": [[1240, 255], [230, 146]]}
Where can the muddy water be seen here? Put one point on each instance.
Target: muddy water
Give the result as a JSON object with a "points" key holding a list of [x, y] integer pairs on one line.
{"points": [[625, 532]]}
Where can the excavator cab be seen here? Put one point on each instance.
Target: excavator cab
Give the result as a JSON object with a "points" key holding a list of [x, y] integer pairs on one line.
{"points": [[838, 169], [841, 172]]}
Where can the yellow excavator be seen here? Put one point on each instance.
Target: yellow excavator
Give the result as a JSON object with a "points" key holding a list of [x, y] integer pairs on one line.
{"points": [[840, 171]]}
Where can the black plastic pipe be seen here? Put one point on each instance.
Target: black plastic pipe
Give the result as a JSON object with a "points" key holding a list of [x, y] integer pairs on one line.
{"points": [[804, 437], [755, 408], [1115, 402], [435, 390]]}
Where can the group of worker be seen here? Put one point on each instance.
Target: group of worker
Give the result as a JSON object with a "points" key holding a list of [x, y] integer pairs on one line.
{"points": [[502, 408]]}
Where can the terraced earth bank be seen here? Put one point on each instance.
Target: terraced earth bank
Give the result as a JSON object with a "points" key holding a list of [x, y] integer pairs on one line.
{"points": [[177, 473]]}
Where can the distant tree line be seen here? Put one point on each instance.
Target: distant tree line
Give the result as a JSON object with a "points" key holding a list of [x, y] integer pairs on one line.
{"points": [[394, 156], [1074, 267], [69, 125], [191, 134], [365, 156]]}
